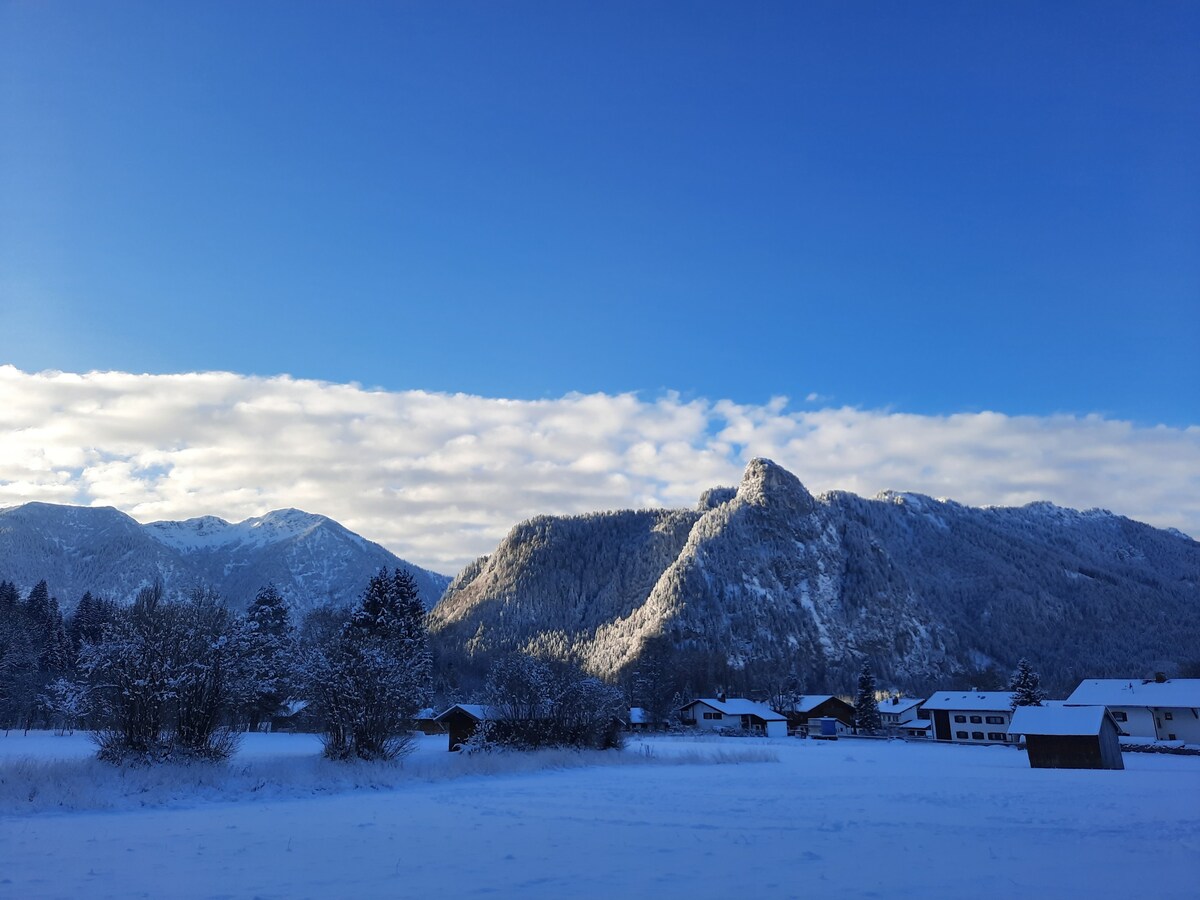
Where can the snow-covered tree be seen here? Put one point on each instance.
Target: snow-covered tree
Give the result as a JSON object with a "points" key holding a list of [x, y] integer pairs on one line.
{"points": [[866, 708], [1026, 686], [550, 703], [368, 681], [129, 673], [270, 654], [163, 678]]}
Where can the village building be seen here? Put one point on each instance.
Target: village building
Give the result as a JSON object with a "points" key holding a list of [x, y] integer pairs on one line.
{"points": [[426, 722], [896, 711], [803, 709], [640, 720], [970, 717], [462, 720], [1068, 737], [719, 713], [1162, 709]]}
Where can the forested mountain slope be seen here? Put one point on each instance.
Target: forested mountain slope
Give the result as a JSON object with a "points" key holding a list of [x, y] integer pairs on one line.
{"points": [[769, 582]]}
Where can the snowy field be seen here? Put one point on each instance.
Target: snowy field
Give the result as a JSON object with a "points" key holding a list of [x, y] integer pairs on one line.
{"points": [[665, 818]]}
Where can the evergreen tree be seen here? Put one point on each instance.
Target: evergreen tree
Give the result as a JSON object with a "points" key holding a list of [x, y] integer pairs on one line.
{"points": [[1026, 686], [9, 597], [270, 652], [368, 681], [866, 708]]}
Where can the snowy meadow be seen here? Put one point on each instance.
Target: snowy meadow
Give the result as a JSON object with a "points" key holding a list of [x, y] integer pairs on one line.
{"points": [[667, 817]]}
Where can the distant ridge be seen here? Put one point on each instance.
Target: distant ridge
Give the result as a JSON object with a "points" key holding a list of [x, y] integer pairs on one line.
{"points": [[311, 558], [766, 577]]}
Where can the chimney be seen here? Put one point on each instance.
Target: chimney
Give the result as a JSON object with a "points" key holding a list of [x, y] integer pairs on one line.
{"points": [[896, 701], [1160, 677], [721, 697]]}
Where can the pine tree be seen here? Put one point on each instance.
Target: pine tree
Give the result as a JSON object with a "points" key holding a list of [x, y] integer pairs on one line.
{"points": [[866, 708], [368, 681], [9, 596], [1026, 686], [270, 653]]}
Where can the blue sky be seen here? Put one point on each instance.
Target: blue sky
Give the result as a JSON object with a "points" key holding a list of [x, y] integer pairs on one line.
{"points": [[927, 207]]}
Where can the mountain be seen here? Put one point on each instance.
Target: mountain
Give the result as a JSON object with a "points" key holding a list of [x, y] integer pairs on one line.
{"points": [[310, 558], [767, 581]]}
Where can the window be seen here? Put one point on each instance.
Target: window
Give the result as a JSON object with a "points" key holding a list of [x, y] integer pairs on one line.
{"points": [[995, 720], [960, 718], [961, 735], [977, 735], [997, 736], [712, 715], [1120, 716], [1168, 716], [1171, 737]]}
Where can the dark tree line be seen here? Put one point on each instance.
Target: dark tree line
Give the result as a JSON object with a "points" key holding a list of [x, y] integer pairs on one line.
{"points": [[179, 678]]}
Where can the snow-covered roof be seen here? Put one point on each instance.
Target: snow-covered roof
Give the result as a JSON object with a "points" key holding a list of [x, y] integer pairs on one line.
{"points": [[739, 706], [1057, 720], [809, 702], [990, 701], [477, 710], [899, 704], [638, 716], [1174, 692]]}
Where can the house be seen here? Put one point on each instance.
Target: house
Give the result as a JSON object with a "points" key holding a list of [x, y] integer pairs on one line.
{"points": [[971, 717], [640, 720], [895, 711], [462, 720], [717, 714], [1068, 737], [1162, 709], [916, 729], [426, 722], [817, 706]]}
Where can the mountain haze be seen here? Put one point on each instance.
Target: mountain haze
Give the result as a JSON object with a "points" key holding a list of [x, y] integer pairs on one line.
{"points": [[310, 558], [769, 578]]}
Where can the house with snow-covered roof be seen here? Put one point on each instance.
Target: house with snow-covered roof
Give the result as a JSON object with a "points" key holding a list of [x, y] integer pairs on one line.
{"points": [[718, 713], [1068, 737], [971, 717], [1160, 709], [895, 711], [800, 711]]}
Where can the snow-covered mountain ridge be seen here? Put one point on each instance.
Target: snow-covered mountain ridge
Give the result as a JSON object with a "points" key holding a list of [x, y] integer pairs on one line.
{"points": [[311, 558], [769, 578]]}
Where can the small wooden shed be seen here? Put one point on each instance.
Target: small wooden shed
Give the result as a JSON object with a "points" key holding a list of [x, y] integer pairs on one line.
{"points": [[462, 720], [1068, 737]]}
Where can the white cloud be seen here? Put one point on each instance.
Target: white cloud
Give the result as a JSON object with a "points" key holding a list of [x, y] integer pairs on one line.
{"points": [[439, 478]]}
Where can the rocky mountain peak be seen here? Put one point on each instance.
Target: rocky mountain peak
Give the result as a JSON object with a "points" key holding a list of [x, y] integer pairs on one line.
{"points": [[766, 483]]}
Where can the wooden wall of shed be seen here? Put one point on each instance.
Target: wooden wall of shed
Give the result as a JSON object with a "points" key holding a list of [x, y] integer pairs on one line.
{"points": [[1071, 752]]}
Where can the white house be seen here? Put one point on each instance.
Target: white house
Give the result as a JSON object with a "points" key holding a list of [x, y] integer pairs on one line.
{"points": [[1159, 710], [714, 714], [895, 711], [971, 717]]}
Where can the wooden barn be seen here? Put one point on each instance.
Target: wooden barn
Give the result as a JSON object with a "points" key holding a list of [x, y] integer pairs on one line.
{"points": [[462, 720], [817, 706], [1068, 737]]}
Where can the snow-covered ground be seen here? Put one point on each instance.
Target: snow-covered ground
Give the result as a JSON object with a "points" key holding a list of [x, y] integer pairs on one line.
{"points": [[851, 818]]}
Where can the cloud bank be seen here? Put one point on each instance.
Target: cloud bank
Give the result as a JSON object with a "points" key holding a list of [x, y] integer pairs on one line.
{"points": [[440, 478]]}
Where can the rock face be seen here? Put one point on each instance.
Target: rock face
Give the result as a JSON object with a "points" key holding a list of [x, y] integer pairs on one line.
{"points": [[310, 558], [771, 578]]}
